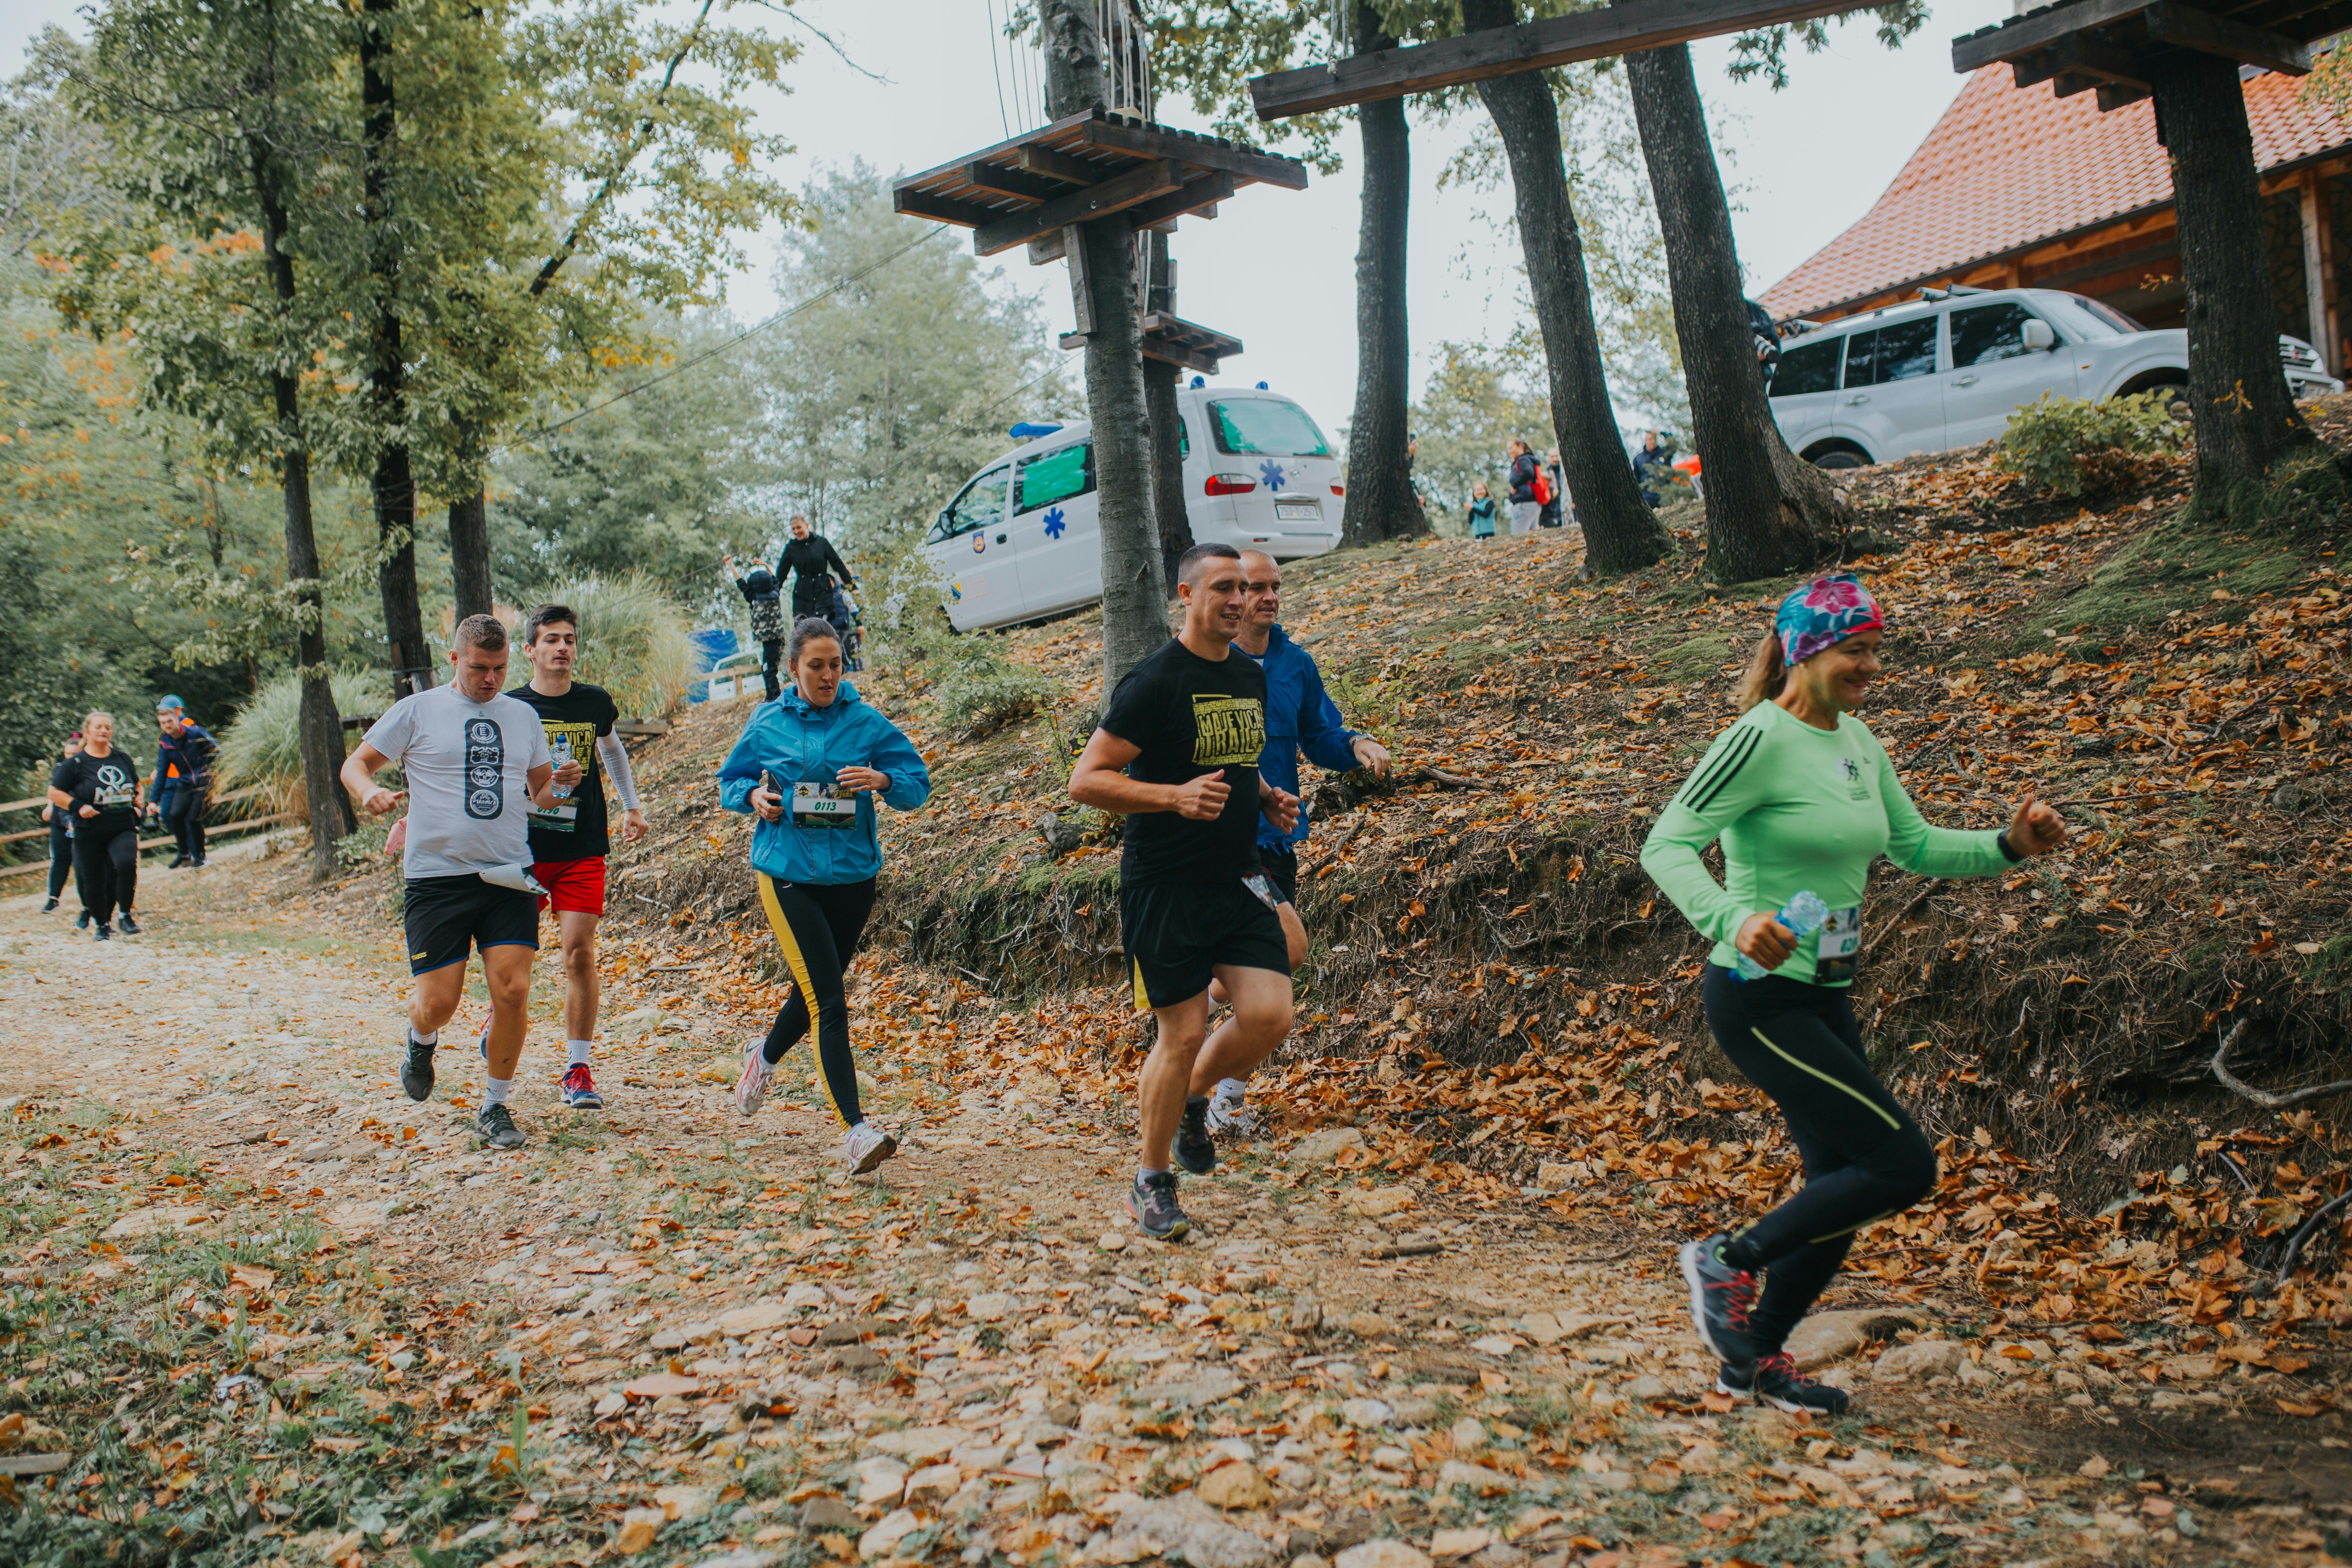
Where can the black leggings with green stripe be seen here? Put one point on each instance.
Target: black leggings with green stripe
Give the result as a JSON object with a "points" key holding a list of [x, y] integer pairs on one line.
{"points": [[1864, 1157]]}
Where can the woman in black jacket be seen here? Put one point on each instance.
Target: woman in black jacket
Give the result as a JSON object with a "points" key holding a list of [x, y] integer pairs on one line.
{"points": [[807, 560]]}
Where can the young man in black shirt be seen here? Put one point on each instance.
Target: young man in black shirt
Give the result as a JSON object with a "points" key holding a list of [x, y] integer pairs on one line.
{"points": [[569, 839], [809, 560], [1177, 754]]}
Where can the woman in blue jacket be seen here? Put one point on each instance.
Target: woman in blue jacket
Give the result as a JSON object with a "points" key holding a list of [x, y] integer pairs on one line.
{"points": [[808, 765]]}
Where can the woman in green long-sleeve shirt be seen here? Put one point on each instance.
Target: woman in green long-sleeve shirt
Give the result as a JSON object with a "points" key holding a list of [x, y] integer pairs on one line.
{"points": [[1804, 799]]}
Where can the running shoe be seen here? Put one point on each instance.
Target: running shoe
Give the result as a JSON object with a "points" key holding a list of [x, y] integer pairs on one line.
{"points": [[129, 925], [48, 907], [1721, 1298], [101, 934], [497, 1128], [417, 1069], [866, 1147], [1229, 1115], [751, 1086], [1195, 1149], [177, 862], [1152, 1201], [580, 1090], [1775, 1381], [81, 920], [197, 864]]}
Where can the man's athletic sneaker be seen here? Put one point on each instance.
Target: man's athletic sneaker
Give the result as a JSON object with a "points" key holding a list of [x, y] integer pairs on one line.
{"points": [[1152, 1201], [103, 933], [866, 1147], [580, 1089], [1195, 1149], [81, 920], [1775, 1381], [1228, 1114], [1721, 1298], [129, 925], [416, 1068], [497, 1128], [751, 1086]]}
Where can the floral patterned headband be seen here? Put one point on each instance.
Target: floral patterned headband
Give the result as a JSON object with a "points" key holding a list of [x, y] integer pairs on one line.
{"points": [[1823, 613]]}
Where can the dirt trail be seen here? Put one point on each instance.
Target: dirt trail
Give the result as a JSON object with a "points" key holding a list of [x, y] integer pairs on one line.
{"points": [[708, 1344]]}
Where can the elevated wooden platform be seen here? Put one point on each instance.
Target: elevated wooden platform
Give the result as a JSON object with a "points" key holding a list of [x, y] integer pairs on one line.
{"points": [[1087, 166], [1177, 341], [2107, 46]]}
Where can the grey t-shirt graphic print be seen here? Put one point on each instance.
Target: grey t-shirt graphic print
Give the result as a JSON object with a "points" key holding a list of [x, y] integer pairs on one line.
{"points": [[468, 765]]}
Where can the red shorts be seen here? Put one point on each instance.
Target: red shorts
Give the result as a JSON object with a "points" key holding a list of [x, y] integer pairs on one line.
{"points": [[572, 885]]}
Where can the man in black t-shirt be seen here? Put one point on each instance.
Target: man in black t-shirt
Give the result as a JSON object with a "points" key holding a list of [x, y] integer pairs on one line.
{"points": [[569, 840], [1176, 754]]}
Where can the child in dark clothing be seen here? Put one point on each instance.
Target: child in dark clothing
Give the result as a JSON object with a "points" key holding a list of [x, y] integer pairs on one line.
{"points": [[767, 621]]}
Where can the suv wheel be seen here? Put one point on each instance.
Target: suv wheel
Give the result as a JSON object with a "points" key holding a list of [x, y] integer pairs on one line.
{"points": [[1841, 458]]}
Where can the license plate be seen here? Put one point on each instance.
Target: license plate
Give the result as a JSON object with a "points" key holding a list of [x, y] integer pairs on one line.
{"points": [[1297, 512]]}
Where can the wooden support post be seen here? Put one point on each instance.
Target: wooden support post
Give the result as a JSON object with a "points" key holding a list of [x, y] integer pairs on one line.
{"points": [[2315, 281]]}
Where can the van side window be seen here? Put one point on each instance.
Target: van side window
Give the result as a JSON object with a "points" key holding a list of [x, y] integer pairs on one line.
{"points": [[1986, 334], [1183, 438], [1860, 356], [1057, 477], [1811, 368], [981, 505], [1906, 349]]}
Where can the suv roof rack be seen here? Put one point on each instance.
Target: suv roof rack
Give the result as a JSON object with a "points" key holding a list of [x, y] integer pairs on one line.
{"points": [[1951, 288]]}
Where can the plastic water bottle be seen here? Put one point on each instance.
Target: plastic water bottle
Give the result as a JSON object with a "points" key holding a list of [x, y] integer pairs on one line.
{"points": [[559, 748], [1802, 914]]}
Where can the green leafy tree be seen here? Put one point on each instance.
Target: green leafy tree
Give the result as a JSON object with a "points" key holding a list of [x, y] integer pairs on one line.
{"points": [[887, 394], [230, 275], [1477, 396]]}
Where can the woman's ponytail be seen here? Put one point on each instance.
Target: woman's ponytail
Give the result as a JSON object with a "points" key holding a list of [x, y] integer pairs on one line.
{"points": [[1766, 672]]}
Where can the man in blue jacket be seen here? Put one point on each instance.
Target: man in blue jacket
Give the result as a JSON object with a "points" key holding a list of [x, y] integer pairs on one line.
{"points": [[184, 779], [1300, 716]]}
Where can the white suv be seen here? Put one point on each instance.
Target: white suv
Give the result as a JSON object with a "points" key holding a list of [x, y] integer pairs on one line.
{"points": [[1947, 370], [1023, 539]]}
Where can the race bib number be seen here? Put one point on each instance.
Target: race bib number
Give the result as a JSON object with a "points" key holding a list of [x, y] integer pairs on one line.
{"points": [[1257, 883], [822, 805], [1840, 949], [564, 815]]}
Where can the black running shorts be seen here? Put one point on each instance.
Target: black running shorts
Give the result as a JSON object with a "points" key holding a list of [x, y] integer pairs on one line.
{"points": [[447, 915], [1176, 933], [1282, 871]]}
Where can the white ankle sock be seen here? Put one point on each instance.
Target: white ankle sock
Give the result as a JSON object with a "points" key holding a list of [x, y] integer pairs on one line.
{"points": [[496, 1094], [432, 1039], [1232, 1088], [1144, 1171], [578, 1049]]}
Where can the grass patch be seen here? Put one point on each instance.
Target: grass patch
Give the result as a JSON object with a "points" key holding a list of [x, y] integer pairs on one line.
{"points": [[2178, 565]]}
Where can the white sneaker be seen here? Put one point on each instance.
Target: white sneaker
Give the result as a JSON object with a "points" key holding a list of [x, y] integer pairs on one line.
{"points": [[866, 1147], [1228, 1114], [751, 1088]]}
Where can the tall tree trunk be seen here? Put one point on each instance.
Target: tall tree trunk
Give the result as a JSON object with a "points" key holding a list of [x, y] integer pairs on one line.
{"points": [[1160, 381], [469, 553], [1102, 282], [1380, 503], [393, 483], [1768, 510], [320, 727], [1620, 533], [2244, 416]]}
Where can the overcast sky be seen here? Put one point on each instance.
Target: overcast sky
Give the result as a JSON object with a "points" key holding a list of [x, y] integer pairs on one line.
{"points": [[1276, 268]]}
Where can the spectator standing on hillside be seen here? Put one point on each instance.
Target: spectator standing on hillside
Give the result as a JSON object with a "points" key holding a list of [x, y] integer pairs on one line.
{"points": [[1526, 509], [184, 779], [767, 603], [1481, 514], [61, 822], [1654, 470], [807, 560]]}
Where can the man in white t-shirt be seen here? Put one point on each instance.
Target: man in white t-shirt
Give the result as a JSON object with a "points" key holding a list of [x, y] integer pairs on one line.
{"points": [[476, 761]]}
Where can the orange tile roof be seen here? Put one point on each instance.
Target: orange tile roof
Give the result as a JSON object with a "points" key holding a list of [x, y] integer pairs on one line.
{"points": [[2008, 167]]}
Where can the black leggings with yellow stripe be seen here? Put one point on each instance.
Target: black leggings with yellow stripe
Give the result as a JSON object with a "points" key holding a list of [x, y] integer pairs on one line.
{"points": [[1864, 1157], [818, 928]]}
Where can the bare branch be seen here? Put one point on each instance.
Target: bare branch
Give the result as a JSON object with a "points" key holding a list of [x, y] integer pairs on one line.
{"points": [[2263, 1097]]}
